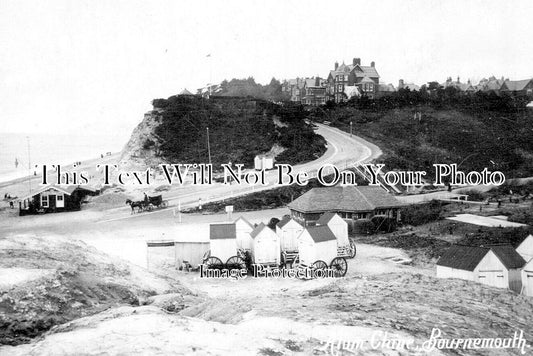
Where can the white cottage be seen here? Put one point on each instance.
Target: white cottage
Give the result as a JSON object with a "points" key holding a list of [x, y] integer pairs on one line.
{"points": [[527, 279], [265, 247], [263, 162], [288, 231], [525, 249], [244, 228], [223, 241], [497, 265], [337, 225], [317, 243]]}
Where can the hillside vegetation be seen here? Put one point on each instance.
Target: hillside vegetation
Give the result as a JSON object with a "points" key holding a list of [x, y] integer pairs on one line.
{"points": [[239, 129], [417, 130]]}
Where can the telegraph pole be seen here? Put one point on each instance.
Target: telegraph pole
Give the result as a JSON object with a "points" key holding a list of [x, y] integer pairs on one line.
{"points": [[208, 146], [350, 128], [29, 163]]}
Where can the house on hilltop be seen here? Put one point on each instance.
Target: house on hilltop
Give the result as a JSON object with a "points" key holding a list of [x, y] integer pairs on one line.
{"points": [[498, 265], [365, 78], [351, 203], [518, 87]]}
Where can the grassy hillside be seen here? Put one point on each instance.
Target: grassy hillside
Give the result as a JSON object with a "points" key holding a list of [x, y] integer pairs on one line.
{"points": [[475, 132], [239, 129]]}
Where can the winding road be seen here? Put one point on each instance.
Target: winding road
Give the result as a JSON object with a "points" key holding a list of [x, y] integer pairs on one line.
{"points": [[342, 151]]}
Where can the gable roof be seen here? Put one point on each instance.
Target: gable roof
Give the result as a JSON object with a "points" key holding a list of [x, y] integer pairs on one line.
{"points": [[462, 257], [321, 233], [468, 257], [325, 218], [222, 231], [284, 221], [515, 85], [65, 189], [508, 255], [244, 220], [185, 92], [257, 230], [349, 198]]}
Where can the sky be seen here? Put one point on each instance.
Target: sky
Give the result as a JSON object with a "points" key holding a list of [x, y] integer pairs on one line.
{"points": [[94, 66]]}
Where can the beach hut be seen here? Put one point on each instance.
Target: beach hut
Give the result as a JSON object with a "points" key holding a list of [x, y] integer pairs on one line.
{"points": [[337, 225], [222, 241], [266, 246], [497, 265], [288, 231], [317, 243], [525, 249], [263, 162], [527, 279], [244, 228], [190, 252]]}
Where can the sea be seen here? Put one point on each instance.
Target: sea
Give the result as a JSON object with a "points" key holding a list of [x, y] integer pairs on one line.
{"points": [[19, 152]]}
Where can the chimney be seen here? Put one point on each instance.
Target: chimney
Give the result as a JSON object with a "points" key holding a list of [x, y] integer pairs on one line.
{"points": [[458, 79], [357, 61], [372, 64], [400, 84], [336, 65]]}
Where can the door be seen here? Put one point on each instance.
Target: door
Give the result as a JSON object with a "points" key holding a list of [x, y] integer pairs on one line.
{"points": [[60, 201], [265, 251], [52, 201]]}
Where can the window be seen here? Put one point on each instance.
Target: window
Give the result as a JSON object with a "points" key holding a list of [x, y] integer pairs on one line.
{"points": [[59, 197], [44, 201]]}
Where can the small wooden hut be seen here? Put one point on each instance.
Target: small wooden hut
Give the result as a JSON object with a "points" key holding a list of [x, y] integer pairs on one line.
{"points": [[288, 231], [223, 241], [265, 247], [244, 228], [317, 243]]}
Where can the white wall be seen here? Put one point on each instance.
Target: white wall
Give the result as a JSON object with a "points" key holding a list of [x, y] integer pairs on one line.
{"points": [[492, 272], [339, 227], [310, 251], [289, 235], [223, 248], [266, 247], [448, 272], [526, 248], [244, 240], [527, 279]]}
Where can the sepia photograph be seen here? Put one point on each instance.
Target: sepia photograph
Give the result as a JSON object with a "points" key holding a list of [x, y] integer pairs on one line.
{"points": [[267, 178]]}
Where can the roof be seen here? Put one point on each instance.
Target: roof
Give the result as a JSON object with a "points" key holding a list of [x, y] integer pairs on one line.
{"points": [[516, 85], [245, 221], [386, 87], [349, 198], [468, 257], [509, 257], [284, 221], [257, 230], [325, 218], [222, 231], [65, 189], [366, 79], [185, 92], [321, 233]]}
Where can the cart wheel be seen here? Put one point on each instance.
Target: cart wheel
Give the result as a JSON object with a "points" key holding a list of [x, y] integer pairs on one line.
{"points": [[339, 266], [295, 263], [353, 249], [164, 204], [214, 263], [321, 265], [235, 262]]}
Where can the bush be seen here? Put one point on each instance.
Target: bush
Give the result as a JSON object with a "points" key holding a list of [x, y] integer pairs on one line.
{"points": [[422, 213]]}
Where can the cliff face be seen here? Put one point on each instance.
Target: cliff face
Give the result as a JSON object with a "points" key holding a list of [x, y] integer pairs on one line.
{"points": [[189, 129], [142, 149]]}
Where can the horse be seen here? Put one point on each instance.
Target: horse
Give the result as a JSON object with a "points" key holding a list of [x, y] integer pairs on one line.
{"points": [[135, 204]]}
